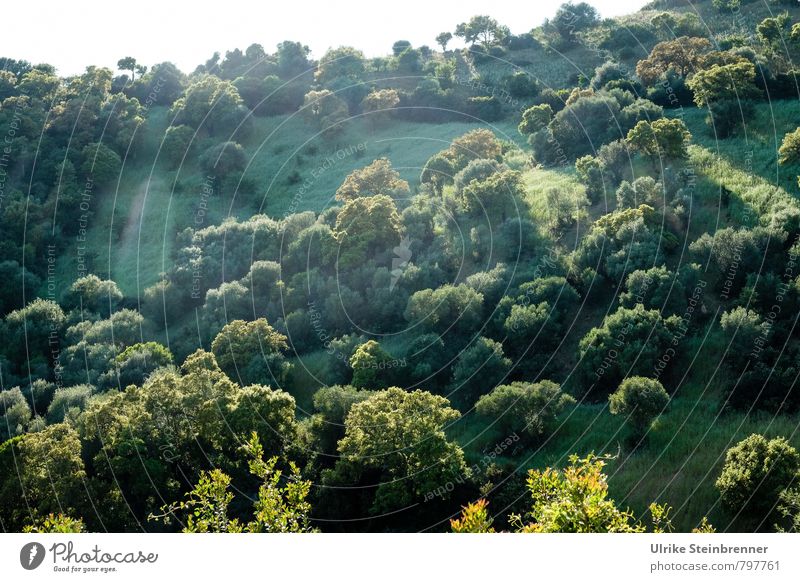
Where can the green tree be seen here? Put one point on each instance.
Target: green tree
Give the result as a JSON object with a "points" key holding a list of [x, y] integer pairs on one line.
{"points": [[640, 400], [573, 500], [101, 163], [325, 110], [724, 82], [370, 364], [530, 408], [662, 139], [177, 141], [684, 55], [755, 473], [128, 64], [280, 507], [628, 343], [252, 352], [378, 178], [211, 105], [438, 171], [481, 29], [379, 104], [478, 370], [442, 39], [401, 436], [535, 119], [366, 225], [94, 295], [790, 148]]}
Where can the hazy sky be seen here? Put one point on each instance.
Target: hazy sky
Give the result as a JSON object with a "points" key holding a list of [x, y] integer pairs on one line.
{"points": [[72, 35]]}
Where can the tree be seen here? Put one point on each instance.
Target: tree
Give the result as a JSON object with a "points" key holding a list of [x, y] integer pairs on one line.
{"points": [[473, 145], [531, 408], [366, 225], [590, 173], [400, 437], [177, 141], [572, 18], [474, 518], [280, 506], [343, 62], [684, 55], [496, 197], [101, 163], [628, 343], [52, 473], [724, 82], [755, 473], [325, 110], [573, 500], [662, 139], [94, 295], [252, 351], [456, 309], [211, 105], [744, 326], [479, 369], [442, 39], [535, 119], [790, 148], [438, 171], [138, 361], [640, 400], [227, 159], [379, 178], [370, 364], [380, 103], [481, 29], [128, 64]]}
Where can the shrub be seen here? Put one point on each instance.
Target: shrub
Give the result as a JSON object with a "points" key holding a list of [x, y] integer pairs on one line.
{"points": [[755, 473], [525, 407], [640, 400]]}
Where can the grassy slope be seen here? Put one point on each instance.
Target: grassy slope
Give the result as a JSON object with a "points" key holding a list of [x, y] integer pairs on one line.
{"points": [[133, 227]]}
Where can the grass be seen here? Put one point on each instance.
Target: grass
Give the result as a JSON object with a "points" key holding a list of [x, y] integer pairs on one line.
{"points": [[132, 228]]}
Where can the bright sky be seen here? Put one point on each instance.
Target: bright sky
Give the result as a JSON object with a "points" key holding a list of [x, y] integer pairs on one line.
{"points": [[72, 35]]}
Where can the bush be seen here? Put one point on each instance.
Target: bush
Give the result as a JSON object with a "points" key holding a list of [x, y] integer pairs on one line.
{"points": [[524, 407], [227, 159], [478, 370], [755, 473], [640, 400]]}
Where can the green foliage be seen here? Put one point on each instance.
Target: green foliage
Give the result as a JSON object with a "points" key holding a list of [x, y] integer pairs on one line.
{"points": [[376, 179], [662, 139], [94, 295], [371, 366], [640, 400], [481, 29], [734, 81], [478, 369], [756, 472], [629, 343], [101, 163], [474, 518], [455, 309], [530, 408], [400, 435], [790, 148], [278, 508], [573, 500], [535, 119], [210, 105], [56, 523], [365, 226], [227, 159], [252, 352]]}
